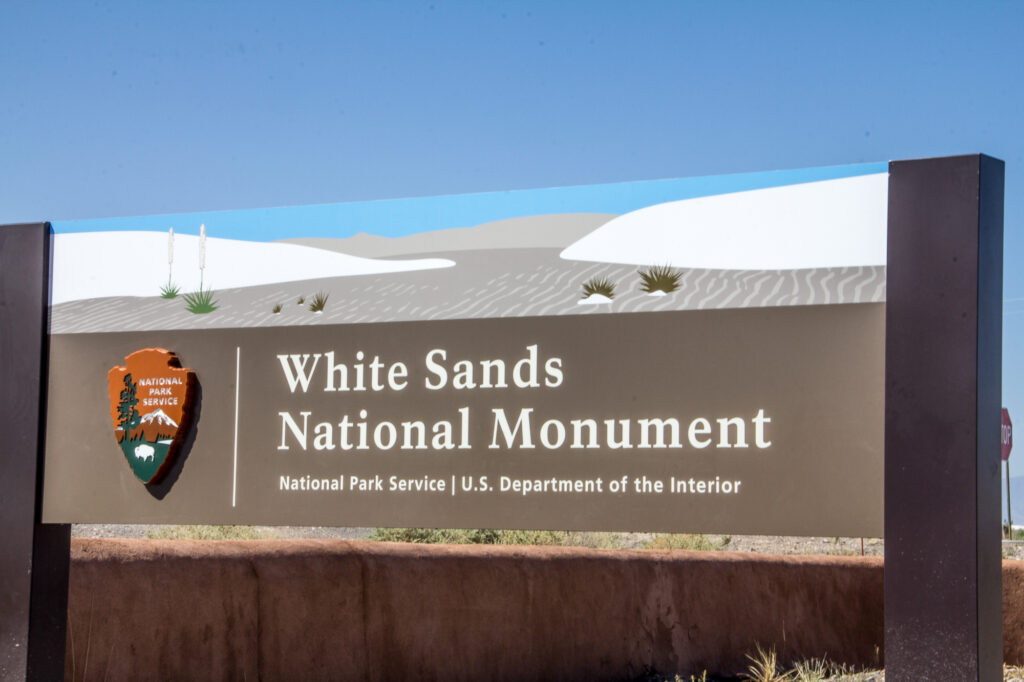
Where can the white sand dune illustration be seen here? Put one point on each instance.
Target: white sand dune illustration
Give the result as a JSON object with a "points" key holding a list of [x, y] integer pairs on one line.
{"points": [[524, 232], [102, 264], [828, 224]]}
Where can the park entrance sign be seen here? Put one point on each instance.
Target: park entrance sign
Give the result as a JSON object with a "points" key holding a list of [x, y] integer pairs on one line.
{"points": [[641, 360], [771, 353]]}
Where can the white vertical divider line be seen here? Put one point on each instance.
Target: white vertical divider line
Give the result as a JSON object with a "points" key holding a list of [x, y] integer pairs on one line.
{"points": [[238, 376]]}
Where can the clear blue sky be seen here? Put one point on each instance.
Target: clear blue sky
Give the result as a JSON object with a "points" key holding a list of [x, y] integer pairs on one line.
{"points": [[134, 108]]}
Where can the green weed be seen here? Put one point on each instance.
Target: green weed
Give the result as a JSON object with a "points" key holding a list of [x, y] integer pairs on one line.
{"points": [[452, 536]]}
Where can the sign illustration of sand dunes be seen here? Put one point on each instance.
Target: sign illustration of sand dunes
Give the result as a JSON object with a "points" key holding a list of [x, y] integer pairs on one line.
{"points": [[814, 243]]}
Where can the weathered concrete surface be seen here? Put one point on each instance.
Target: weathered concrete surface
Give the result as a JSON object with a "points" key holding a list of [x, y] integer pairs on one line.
{"points": [[1013, 612], [327, 609], [160, 610], [330, 610]]}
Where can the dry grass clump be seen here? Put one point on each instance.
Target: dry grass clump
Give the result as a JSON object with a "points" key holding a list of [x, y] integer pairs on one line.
{"points": [[815, 670], [206, 533], [485, 536], [701, 543], [764, 667]]}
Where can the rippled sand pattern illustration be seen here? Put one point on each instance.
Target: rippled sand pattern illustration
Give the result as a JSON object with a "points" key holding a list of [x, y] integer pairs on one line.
{"points": [[482, 284]]}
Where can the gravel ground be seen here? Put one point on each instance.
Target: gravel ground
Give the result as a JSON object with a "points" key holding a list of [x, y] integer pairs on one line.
{"points": [[768, 544], [89, 530], [757, 544], [734, 543]]}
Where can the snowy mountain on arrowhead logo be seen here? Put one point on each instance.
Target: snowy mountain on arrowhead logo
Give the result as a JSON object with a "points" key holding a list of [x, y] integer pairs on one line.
{"points": [[158, 416], [155, 426], [151, 406]]}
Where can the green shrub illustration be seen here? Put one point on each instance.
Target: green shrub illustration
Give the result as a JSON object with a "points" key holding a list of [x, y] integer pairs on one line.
{"points": [[659, 278], [276, 309], [200, 302], [601, 286], [319, 302], [170, 290]]}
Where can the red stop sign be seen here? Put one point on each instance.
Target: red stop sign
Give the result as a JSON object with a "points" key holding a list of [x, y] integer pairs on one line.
{"points": [[1006, 438]]}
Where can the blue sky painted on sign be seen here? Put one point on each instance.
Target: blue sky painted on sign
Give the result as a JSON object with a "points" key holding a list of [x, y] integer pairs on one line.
{"points": [[118, 108], [399, 217]]}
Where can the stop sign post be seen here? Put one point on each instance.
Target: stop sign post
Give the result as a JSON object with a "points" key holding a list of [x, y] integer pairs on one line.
{"points": [[1006, 437], [1006, 440]]}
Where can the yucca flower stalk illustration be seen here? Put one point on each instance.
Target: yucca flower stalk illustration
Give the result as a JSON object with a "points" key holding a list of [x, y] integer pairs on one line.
{"points": [[171, 290], [202, 253], [202, 301], [170, 256]]}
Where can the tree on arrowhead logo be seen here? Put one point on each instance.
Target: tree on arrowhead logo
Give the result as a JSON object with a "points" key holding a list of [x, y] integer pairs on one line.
{"points": [[151, 405]]}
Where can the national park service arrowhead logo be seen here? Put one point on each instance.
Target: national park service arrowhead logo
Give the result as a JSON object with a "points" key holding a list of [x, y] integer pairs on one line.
{"points": [[150, 403]]}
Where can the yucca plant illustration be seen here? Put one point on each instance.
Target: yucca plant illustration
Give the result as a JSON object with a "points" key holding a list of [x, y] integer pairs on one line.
{"points": [[170, 290], [319, 302], [659, 278], [200, 302], [601, 286]]}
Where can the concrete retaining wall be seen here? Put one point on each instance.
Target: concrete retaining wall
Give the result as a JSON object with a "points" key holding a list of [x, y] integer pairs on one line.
{"points": [[335, 610]]}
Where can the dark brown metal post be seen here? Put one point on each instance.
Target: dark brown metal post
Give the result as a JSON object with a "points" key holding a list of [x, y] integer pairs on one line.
{"points": [[1009, 508], [34, 557], [943, 610]]}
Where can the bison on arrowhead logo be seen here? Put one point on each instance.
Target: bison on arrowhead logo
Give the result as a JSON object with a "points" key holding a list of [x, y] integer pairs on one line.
{"points": [[151, 403]]}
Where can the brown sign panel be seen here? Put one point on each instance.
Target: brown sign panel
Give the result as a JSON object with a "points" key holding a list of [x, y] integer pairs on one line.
{"points": [[699, 355], [765, 420]]}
